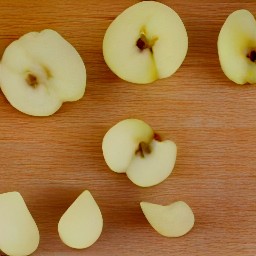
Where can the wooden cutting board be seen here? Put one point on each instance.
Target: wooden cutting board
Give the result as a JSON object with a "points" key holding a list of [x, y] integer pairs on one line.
{"points": [[51, 160]]}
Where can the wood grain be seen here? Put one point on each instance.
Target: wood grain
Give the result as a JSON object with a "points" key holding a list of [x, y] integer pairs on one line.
{"points": [[51, 160]]}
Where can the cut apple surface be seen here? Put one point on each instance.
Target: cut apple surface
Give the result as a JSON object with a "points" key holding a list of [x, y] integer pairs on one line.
{"points": [[146, 42], [172, 220], [82, 223], [19, 234], [132, 147], [237, 47], [121, 142], [40, 71], [155, 166]]}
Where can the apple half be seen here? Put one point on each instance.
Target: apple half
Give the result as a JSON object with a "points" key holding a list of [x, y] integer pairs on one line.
{"points": [[173, 220], [40, 71], [81, 225], [132, 147], [19, 234], [146, 42], [237, 47]]}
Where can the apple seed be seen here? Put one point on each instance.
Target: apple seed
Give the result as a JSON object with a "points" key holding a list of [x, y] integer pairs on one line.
{"points": [[143, 43], [32, 80], [252, 55]]}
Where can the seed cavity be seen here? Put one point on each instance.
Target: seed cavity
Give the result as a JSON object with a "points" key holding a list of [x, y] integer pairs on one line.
{"points": [[32, 80], [38, 76], [143, 149], [252, 55], [145, 43]]}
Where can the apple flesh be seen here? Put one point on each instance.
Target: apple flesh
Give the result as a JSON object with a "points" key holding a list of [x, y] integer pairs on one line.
{"points": [[237, 47], [173, 220], [82, 223], [121, 142], [155, 166], [146, 42], [19, 234], [40, 71], [132, 147]]}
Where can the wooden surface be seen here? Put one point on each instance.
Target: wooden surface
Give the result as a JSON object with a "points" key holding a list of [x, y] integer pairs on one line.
{"points": [[50, 161]]}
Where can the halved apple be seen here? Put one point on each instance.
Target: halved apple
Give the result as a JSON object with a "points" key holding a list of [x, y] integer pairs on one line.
{"points": [[172, 220], [146, 42], [40, 71], [81, 225], [237, 47], [132, 147], [19, 234]]}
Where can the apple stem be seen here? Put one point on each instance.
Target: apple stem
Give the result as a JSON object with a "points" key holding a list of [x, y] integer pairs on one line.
{"points": [[143, 149], [157, 137]]}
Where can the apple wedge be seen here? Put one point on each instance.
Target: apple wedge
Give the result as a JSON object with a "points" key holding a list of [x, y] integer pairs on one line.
{"points": [[132, 147], [19, 234], [40, 71], [82, 223], [146, 42], [172, 220], [237, 47]]}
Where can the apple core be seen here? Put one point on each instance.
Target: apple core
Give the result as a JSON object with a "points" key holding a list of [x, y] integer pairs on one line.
{"points": [[144, 43], [237, 47], [32, 80], [36, 79], [252, 55], [143, 149]]}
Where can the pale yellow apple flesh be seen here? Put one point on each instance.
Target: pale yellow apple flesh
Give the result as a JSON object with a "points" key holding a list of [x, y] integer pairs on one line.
{"points": [[81, 225], [173, 220], [121, 142], [237, 47], [19, 235], [155, 166], [40, 71], [146, 42], [130, 147]]}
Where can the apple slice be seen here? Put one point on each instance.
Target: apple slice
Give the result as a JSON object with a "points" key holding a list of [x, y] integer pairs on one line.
{"points": [[146, 42], [172, 220], [19, 234], [237, 47], [122, 141], [40, 71], [82, 223], [154, 166], [131, 147]]}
